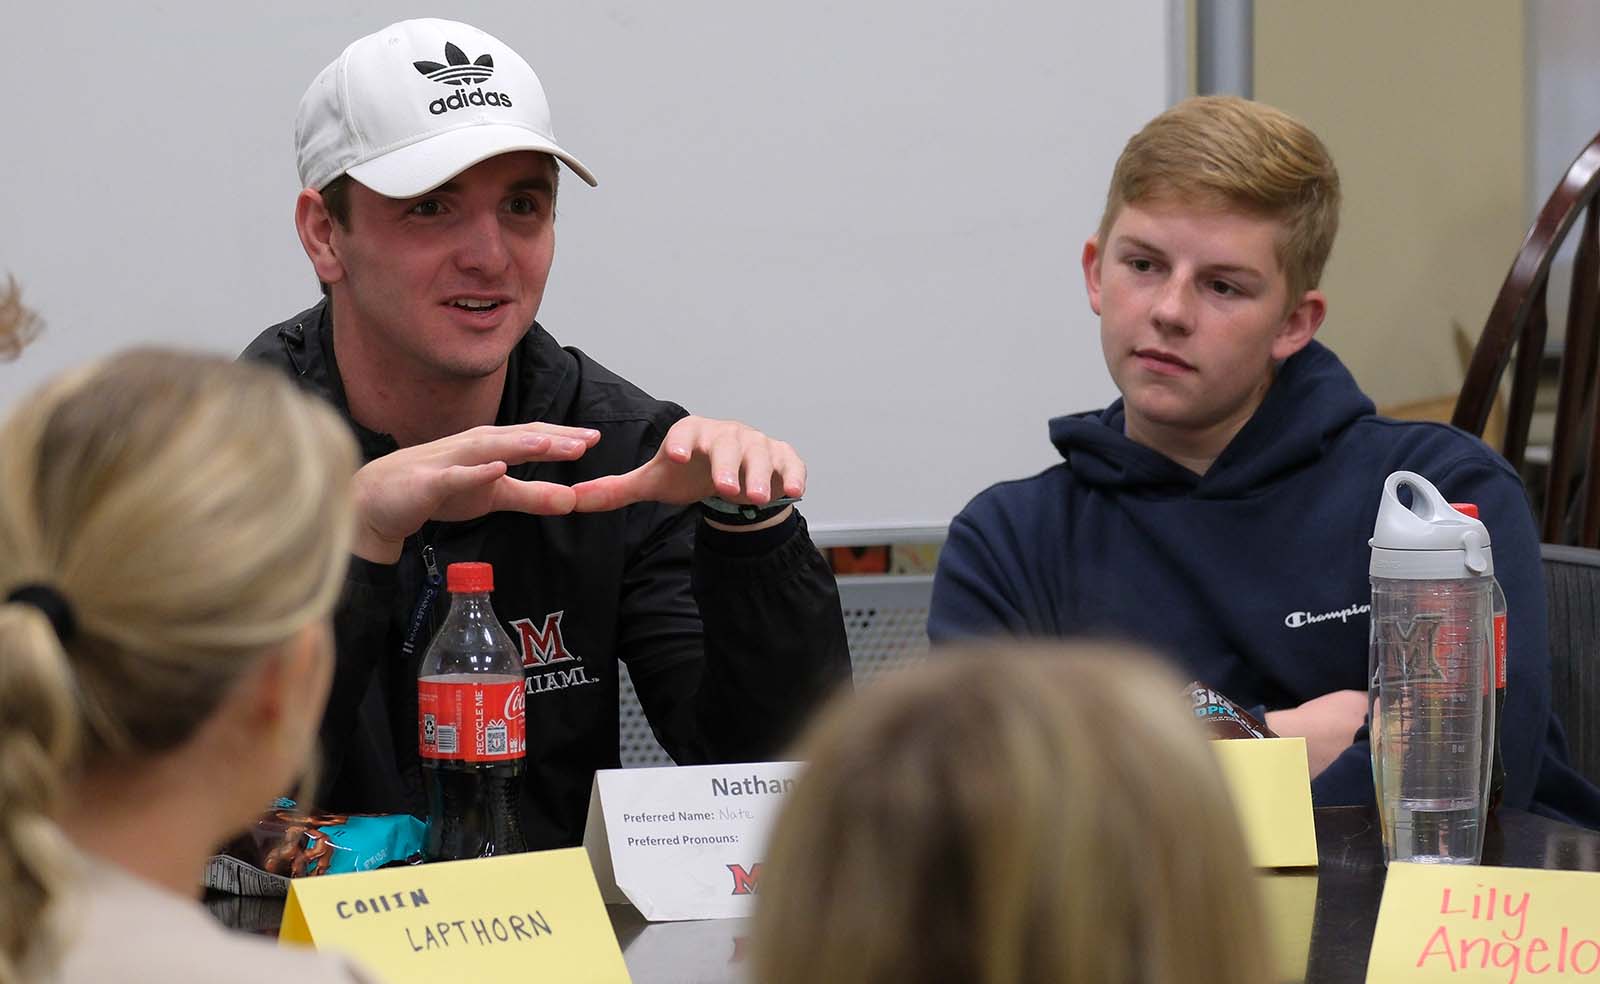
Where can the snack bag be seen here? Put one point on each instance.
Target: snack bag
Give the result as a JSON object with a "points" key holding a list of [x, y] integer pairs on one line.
{"points": [[288, 842], [1222, 717]]}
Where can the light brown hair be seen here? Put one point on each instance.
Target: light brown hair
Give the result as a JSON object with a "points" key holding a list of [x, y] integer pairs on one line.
{"points": [[1010, 814], [1227, 153], [18, 325], [193, 513]]}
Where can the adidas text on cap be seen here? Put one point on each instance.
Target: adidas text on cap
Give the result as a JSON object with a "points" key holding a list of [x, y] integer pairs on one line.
{"points": [[408, 108]]}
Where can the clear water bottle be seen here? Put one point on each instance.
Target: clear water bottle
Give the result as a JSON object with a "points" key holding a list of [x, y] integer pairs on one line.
{"points": [[1497, 769], [472, 726], [1431, 659]]}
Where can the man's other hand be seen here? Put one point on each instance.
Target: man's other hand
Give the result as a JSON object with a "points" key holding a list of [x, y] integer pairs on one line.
{"points": [[701, 457], [457, 478], [1328, 724]]}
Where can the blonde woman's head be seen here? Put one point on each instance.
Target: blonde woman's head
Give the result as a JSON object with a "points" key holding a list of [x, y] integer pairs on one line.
{"points": [[1009, 814], [191, 513]]}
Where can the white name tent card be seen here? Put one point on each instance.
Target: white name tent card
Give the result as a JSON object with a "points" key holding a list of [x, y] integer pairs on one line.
{"points": [[687, 842]]}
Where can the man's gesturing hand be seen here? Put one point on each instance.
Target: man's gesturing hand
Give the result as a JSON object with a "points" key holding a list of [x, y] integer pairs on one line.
{"points": [[702, 457], [460, 477]]}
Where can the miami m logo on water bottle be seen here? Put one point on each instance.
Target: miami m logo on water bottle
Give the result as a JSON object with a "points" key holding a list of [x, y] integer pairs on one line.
{"points": [[1415, 646]]}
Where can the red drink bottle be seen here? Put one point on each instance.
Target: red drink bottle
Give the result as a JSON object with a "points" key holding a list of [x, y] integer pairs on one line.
{"points": [[471, 726]]}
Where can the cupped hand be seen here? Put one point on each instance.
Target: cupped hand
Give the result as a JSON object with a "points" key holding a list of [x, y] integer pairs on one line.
{"points": [[701, 457], [458, 478]]}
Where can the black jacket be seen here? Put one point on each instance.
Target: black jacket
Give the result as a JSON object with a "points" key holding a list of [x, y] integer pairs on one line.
{"points": [[729, 638]]}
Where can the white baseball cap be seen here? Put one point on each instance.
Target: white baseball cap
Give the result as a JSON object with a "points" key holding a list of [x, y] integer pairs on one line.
{"points": [[408, 108]]}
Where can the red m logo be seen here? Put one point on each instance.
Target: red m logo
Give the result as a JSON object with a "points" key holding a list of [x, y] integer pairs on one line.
{"points": [[544, 645], [744, 882]]}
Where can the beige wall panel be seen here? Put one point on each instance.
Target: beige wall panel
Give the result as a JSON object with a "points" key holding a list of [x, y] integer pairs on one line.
{"points": [[1422, 104]]}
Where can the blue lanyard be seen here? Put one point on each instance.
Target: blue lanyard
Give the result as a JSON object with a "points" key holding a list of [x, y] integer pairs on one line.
{"points": [[430, 591]]}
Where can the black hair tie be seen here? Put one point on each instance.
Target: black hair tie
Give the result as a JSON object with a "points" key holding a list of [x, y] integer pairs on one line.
{"points": [[54, 606]]}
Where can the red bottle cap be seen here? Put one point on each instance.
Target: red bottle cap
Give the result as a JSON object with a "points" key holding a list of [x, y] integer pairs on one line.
{"points": [[469, 578], [1465, 508]]}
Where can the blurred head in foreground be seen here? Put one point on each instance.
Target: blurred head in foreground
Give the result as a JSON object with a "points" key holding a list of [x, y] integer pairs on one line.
{"points": [[1010, 813], [174, 531]]}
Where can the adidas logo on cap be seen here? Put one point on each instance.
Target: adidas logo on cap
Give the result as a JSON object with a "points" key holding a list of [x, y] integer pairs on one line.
{"points": [[458, 71], [367, 115]]}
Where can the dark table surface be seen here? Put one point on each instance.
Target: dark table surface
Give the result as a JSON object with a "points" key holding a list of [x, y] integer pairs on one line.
{"points": [[1348, 888], [1350, 874]]}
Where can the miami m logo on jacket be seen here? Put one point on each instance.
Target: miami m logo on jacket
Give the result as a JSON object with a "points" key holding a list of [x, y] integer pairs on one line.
{"points": [[543, 645]]}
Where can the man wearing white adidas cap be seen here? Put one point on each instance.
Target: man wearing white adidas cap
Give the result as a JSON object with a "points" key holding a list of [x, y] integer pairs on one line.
{"points": [[430, 173]]}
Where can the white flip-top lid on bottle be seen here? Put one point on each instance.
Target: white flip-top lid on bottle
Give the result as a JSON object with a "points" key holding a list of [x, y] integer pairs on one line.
{"points": [[1428, 541]]}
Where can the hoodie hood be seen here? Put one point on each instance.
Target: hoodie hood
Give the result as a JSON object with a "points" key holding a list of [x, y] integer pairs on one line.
{"points": [[1311, 401]]}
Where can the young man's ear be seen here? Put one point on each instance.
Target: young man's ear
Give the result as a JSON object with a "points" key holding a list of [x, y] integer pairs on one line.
{"points": [[1300, 324], [315, 226], [1091, 271]]}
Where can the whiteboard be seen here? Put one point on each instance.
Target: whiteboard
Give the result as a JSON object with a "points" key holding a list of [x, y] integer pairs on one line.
{"points": [[853, 223]]}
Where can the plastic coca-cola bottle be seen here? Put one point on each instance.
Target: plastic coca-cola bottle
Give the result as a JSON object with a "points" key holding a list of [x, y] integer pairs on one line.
{"points": [[1497, 773], [471, 726]]}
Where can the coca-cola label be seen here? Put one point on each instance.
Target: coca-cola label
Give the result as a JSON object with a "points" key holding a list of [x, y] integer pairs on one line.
{"points": [[471, 721], [1500, 652]]}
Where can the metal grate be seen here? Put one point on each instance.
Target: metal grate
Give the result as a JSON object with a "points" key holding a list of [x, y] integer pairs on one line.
{"points": [[885, 621], [637, 743]]}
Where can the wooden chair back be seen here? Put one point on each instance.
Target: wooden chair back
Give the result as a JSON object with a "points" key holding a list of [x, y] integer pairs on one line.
{"points": [[1518, 324]]}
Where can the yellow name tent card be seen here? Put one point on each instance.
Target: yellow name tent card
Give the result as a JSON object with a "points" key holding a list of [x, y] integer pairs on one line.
{"points": [[520, 917], [1469, 923], [1290, 901], [1270, 782]]}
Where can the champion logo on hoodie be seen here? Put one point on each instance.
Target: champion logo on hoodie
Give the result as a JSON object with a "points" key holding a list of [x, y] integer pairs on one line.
{"points": [[1296, 620]]}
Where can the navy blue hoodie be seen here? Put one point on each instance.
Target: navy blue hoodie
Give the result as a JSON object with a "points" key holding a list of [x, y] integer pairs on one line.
{"points": [[1253, 577]]}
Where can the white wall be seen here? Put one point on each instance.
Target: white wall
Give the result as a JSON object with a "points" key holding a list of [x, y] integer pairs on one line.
{"points": [[855, 224], [1563, 99], [1563, 90]]}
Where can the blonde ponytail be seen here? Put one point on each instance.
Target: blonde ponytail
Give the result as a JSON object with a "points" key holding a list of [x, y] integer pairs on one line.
{"points": [[38, 735], [193, 513]]}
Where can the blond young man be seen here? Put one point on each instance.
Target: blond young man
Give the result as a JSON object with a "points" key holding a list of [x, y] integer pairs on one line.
{"points": [[1220, 509]]}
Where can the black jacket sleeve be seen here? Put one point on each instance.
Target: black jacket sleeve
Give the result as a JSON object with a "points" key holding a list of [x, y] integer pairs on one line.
{"points": [[351, 749], [731, 639]]}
